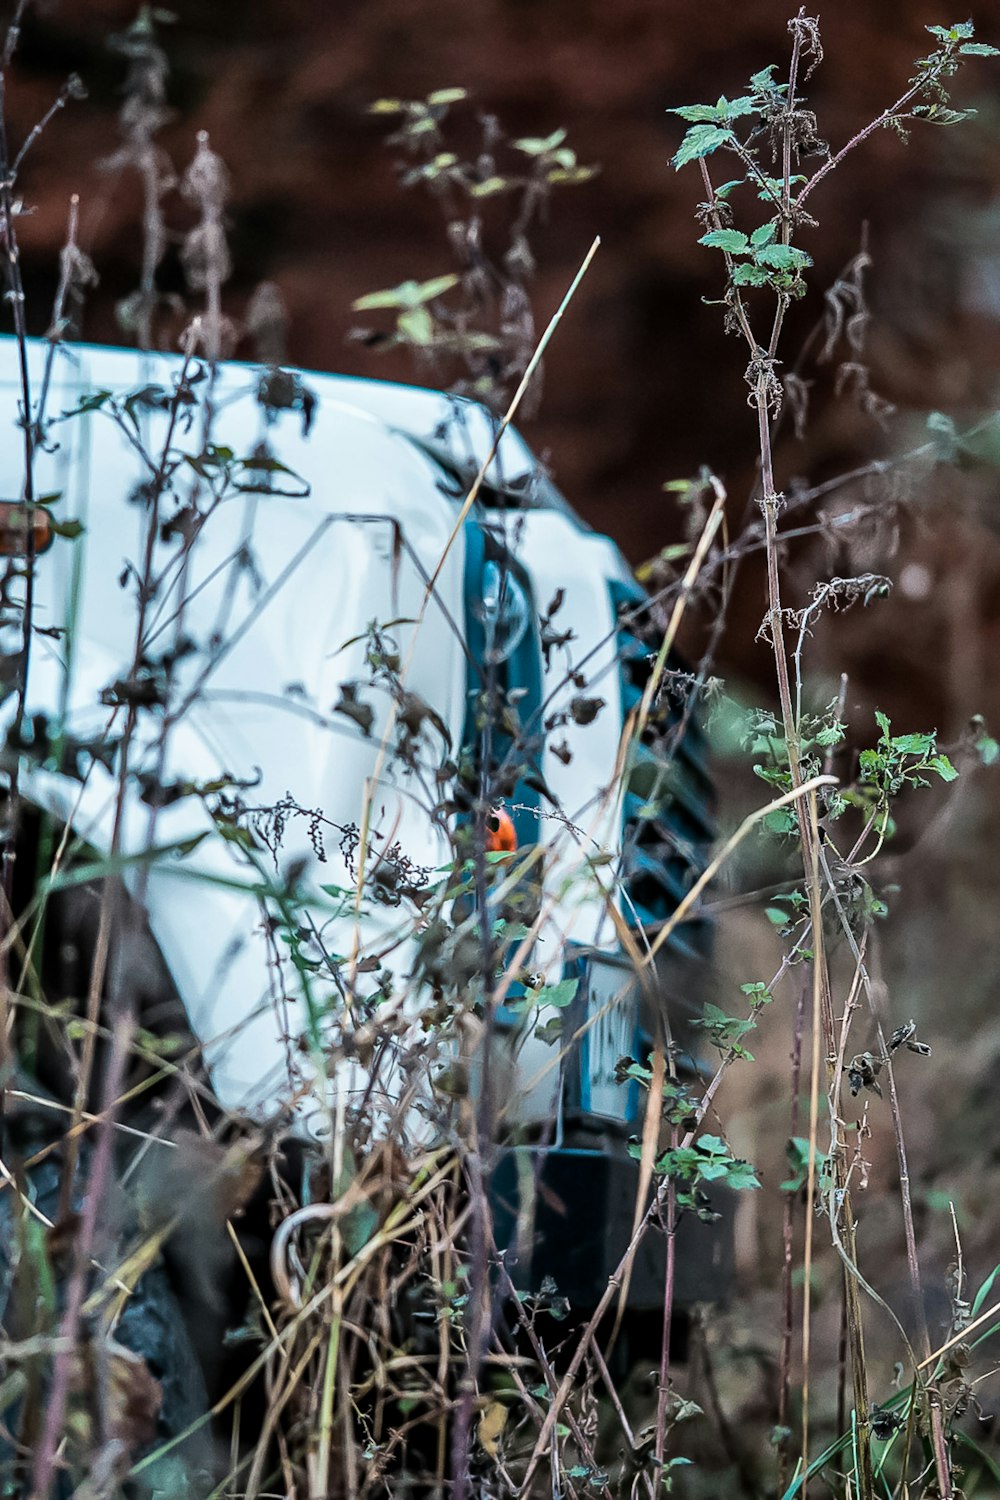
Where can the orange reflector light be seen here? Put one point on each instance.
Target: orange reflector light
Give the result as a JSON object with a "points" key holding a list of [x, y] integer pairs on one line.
{"points": [[14, 528], [501, 835]]}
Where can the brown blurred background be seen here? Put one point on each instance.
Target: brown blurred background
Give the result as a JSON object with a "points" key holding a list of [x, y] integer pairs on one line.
{"points": [[641, 384]]}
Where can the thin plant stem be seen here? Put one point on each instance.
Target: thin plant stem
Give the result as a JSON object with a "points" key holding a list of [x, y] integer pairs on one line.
{"points": [[670, 1271], [787, 1238]]}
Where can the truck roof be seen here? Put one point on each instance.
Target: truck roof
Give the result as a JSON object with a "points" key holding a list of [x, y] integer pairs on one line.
{"points": [[457, 432]]}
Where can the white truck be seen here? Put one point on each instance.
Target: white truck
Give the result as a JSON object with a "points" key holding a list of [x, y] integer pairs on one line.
{"points": [[329, 662]]}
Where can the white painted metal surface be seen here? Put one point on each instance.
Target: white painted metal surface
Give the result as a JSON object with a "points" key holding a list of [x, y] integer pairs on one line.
{"points": [[274, 597]]}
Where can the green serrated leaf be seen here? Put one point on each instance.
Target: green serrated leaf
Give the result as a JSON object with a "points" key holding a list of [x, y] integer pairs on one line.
{"points": [[713, 1144], [741, 1176], [783, 258], [764, 80], [758, 992], [978, 49], [944, 768], [696, 113], [732, 240], [773, 187], [700, 141], [764, 235], [940, 114], [560, 995], [736, 109], [913, 744], [747, 274]]}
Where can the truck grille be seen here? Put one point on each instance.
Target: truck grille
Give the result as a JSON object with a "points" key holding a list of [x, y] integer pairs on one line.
{"points": [[668, 825]]}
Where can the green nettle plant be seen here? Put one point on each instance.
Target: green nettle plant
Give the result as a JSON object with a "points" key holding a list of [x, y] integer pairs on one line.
{"points": [[472, 330], [757, 219]]}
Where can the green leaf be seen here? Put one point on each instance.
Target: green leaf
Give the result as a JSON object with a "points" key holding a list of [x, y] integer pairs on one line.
{"points": [[560, 995], [871, 763], [417, 325], [730, 1028], [70, 529], [763, 82], [696, 113], [773, 187], [984, 1291], [913, 744], [883, 723], [955, 33], [723, 192], [940, 114], [758, 992], [447, 96], [764, 235], [979, 49], [265, 463], [700, 141], [798, 1151], [776, 916], [987, 749], [735, 109], [571, 175], [372, 301], [783, 258], [540, 145], [987, 1460], [741, 1176], [436, 286], [713, 1144], [408, 294], [747, 274], [725, 109], [732, 240], [944, 768], [88, 404], [489, 187]]}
